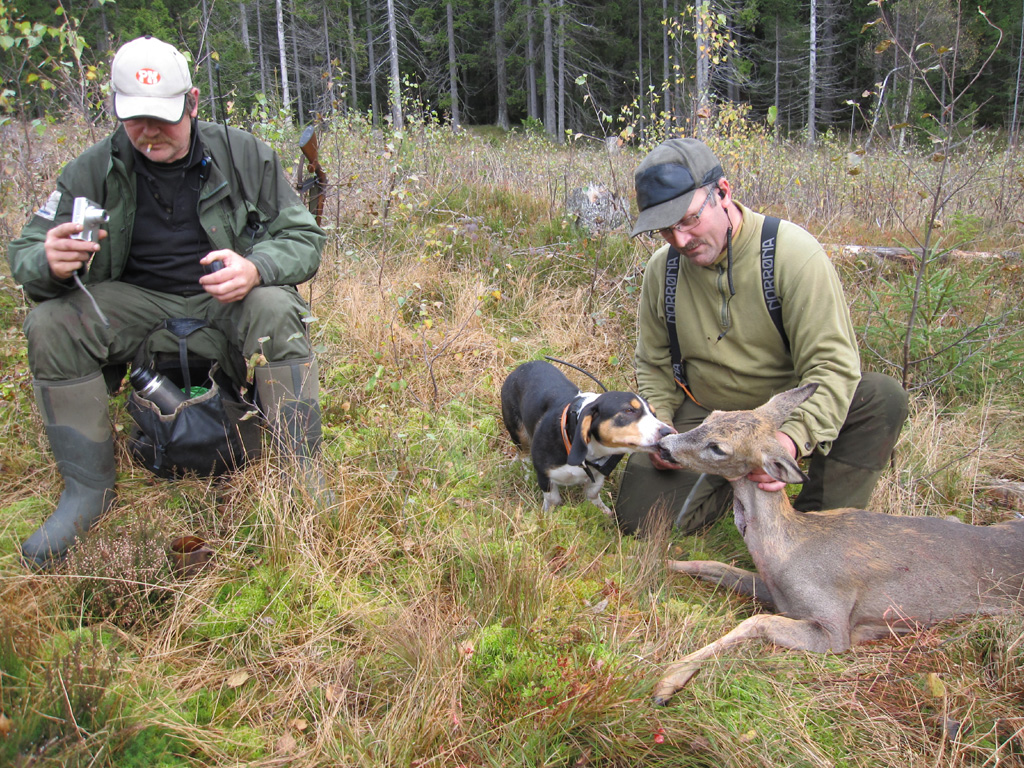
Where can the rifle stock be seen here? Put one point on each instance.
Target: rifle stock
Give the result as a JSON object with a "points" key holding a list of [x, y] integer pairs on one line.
{"points": [[314, 187]]}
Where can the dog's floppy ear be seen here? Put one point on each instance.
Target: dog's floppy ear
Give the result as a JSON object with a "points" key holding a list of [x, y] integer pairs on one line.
{"points": [[581, 437]]}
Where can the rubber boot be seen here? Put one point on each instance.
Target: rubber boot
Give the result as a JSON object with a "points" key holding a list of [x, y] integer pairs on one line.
{"points": [[289, 394], [78, 427]]}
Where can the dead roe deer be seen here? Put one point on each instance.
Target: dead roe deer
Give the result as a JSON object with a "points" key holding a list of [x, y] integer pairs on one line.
{"points": [[841, 576]]}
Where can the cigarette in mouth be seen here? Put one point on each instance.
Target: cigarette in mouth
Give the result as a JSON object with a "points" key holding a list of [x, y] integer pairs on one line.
{"points": [[149, 149]]}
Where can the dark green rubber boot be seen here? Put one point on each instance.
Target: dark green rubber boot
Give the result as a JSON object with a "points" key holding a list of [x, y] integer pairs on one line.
{"points": [[289, 394], [78, 427]]}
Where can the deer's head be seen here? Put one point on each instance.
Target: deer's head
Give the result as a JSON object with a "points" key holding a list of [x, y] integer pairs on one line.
{"points": [[733, 443]]}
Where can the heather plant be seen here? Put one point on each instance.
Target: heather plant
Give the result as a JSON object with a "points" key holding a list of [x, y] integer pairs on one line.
{"points": [[121, 574]]}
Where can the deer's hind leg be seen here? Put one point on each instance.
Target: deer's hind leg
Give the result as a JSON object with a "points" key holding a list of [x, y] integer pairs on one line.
{"points": [[738, 580]]}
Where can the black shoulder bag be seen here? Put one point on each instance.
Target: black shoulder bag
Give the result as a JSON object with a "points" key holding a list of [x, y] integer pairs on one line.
{"points": [[205, 431]]}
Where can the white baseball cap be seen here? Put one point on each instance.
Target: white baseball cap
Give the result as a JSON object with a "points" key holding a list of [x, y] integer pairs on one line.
{"points": [[149, 78]]}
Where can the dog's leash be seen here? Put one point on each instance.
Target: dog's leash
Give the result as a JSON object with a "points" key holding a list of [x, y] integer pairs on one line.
{"points": [[577, 368]]}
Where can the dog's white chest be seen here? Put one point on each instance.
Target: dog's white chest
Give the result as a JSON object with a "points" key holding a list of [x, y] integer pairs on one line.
{"points": [[569, 475]]}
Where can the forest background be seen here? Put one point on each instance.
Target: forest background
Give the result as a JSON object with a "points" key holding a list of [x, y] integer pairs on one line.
{"points": [[609, 67], [434, 616]]}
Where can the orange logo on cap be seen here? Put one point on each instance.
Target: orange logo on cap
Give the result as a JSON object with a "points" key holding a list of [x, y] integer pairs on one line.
{"points": [[148, 76]]}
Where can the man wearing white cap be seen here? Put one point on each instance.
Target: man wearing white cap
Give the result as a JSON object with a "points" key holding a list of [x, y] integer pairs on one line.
{"points": [[735, 308], [202, 223]]}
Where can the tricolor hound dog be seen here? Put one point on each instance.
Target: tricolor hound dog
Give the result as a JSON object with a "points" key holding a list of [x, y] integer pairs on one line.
{"points": [[574, 437]]}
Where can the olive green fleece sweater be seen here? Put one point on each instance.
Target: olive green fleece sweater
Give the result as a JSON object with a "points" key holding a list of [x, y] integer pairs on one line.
{"points": [[734, 355]]}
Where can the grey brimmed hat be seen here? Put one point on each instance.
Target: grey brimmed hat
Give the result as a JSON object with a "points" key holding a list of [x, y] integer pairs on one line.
{"points": [[149, 78], [667, 179]]}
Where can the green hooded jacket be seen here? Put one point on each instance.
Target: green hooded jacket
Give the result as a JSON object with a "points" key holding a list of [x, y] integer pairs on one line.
{"points": [[286, 251], [735, 357]]}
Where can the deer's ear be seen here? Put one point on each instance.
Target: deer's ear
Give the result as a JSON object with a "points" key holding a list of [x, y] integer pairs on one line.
{"points": [[780, 466], [777, 409]]}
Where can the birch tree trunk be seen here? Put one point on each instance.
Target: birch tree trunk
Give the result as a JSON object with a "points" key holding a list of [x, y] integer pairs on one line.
{"points": [[501, 72], [453, 71], [702, 95], [397, 119], [205, 32], [666, 72], [259, 49], [640, 69], [372, 61], [243, 23], [282, 56]]}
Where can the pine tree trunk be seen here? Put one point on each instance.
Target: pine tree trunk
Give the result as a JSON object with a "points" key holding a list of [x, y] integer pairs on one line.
{"points": [[501, 72], [812, 77], [561, 72], [531, 65], [353, 102], [329, 101], [453, 71], [549, 71], [295, 61], [372, 61]]}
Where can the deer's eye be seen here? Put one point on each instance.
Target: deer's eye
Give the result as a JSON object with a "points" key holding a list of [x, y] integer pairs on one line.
{"points": [[716, 450]]}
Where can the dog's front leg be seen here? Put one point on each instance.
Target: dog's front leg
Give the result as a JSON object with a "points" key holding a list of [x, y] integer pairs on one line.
{"points": [[593, 491], [552, 498]]}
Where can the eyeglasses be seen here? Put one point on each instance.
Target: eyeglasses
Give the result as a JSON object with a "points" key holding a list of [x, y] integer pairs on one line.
{"points": [[687, 223]]}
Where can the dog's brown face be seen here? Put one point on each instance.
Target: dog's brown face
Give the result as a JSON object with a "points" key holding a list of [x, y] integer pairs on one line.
{"points": [[621, 422]]}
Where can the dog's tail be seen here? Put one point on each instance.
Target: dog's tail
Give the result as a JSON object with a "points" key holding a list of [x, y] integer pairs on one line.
{"points": [[577, 368]]}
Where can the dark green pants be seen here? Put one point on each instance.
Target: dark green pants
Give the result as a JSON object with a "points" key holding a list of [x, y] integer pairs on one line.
{"points": [[844, 478], [67, 340]]}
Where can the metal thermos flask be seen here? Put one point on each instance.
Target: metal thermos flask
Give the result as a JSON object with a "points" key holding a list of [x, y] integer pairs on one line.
{"points": [[156, 388]]}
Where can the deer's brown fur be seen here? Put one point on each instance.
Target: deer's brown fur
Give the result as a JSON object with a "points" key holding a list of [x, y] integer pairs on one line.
{"points": [[838, 577]]}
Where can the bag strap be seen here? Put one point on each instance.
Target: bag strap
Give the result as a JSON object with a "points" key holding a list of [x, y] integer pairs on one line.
{"points": [[182, 328], [772, 300]]}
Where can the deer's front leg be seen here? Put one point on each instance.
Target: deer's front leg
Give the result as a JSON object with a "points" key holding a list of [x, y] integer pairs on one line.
{"points": [[798, 634]]}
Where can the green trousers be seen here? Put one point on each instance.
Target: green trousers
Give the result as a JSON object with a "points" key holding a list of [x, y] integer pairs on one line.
{"points": [[68, 340], [843, 478]]}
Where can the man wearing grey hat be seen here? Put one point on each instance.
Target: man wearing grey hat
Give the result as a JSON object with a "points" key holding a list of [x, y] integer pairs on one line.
{"points": [[735, 308], [202, 223]]}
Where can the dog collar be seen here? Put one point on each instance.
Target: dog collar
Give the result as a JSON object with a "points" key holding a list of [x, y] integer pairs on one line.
{"points": [[564, 421]]}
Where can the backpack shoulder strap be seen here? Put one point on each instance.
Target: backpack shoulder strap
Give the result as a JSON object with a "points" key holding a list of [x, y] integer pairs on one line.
{"points": [[671, 285], [769, 236]]}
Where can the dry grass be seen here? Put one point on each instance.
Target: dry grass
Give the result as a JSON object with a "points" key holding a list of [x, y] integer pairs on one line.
{"points": [[434, 617]]}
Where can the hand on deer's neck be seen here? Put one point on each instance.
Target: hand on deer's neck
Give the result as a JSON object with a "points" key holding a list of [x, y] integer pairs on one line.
{"points": [[765, 481]]}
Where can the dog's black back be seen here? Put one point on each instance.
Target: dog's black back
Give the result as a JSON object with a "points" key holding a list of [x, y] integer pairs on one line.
{"points": [[548, 388]]}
